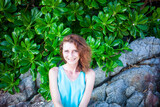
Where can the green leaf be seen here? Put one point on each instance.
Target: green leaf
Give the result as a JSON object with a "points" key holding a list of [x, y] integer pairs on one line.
{"points": [[111, 30], [98, 42], [34, 74], [85, 30], [142, 27], [71, 18], [119, 62], [24, 69], [27, 42], [66, 31], [48, 17], [60, 27], [95, 4], [12, 8], [42, 70], [122, 17], [35, 13], [102, 1], [17, 82], [34, 51], [10, 90], [9, 39], [116, 42], [4, 48], [23, 44], [110, 21], [16, 89], [24, 62], [141, 34], [96, 19], [80, 18], [17, 49], [6, 78], [104, 68], [145, 9], [101, 15], [143, 21], [3, 85]]}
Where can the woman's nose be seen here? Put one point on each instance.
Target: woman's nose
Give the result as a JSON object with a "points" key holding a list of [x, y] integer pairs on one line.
{"points": [[70, 54]]}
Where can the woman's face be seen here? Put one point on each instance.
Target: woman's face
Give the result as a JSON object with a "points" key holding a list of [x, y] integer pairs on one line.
{"points": [[70, 53]]}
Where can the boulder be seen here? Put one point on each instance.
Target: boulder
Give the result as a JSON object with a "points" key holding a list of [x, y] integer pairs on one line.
{"points": [[138, 77], [98, 94], [100, 76], [27, 86], [129, 91], [135, 100], [116, 92], [114, 105], [99, 104], [142, 50]]}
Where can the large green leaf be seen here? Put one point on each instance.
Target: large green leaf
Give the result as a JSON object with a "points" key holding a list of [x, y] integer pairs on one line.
{"points": [[24, 69]]}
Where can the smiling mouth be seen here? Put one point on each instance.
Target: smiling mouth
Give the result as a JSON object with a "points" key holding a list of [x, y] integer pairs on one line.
{"points": [[71, 59]]}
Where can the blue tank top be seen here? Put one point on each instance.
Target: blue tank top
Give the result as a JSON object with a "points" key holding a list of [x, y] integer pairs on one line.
{"points": [[71, 92]]}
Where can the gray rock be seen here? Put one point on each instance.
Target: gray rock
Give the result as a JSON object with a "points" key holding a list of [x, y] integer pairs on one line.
{"points": [[27, 90], [98, 94], [38, 81], [49, 104], [99, 104], [3, 98], [21, 104], [39, 101], [37, 98], [153, 61], [116, 92], [38, 104], [157, 94], [151, 99], [25, 75], [27, 86], [142, 49], [142, 104], [16, 98], [137, 77], [114, 105], [100, 76], [104, 104], [11, 106], [129, 91], [134, 100]]}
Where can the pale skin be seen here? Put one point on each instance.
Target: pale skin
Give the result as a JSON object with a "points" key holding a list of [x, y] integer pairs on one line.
{"points": [[71, 55]]}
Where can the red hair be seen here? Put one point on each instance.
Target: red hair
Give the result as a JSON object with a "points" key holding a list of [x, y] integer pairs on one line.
{"points": [[83, 49]]}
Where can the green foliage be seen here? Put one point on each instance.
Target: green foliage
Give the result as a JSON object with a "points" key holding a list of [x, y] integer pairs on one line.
{"points": [[31, 34]]}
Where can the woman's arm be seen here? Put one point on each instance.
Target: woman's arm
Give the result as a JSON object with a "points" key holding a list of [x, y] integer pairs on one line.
{"points": [[53, 75], [90, 78]]}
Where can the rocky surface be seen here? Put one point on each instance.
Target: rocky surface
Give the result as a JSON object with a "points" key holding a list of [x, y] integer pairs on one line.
{"points": [[137, 84], [142, 49]]}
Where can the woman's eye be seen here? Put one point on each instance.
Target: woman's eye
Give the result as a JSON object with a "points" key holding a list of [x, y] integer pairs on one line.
{"points": [[66, 51], [75, 51]]}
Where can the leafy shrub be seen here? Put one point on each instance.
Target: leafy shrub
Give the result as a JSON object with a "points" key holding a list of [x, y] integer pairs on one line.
{"points": [[31, 34]]}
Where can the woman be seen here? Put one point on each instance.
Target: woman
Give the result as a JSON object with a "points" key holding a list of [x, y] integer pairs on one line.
{"points": [[71, 84]]}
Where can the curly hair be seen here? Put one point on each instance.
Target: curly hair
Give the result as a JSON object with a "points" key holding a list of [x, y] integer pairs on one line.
{"points": [[83, 49]]}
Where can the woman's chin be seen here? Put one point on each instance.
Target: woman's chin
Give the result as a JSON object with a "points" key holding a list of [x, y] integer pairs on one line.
{"points": [[72, 62]]}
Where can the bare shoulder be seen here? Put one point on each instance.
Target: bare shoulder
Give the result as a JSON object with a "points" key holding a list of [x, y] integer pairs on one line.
{"points": [[90, 74], [53, 71]]}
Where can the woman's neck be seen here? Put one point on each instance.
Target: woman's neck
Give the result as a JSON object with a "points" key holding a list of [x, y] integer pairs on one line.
{"points": [[71, 68]]}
